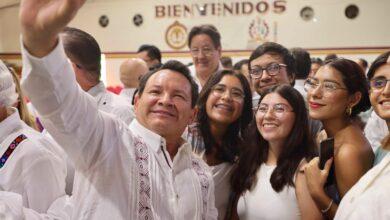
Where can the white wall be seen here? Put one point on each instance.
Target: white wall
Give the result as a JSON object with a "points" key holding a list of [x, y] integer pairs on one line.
{"points": [[367, 35]]}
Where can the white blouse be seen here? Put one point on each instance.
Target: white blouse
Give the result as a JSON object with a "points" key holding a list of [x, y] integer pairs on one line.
{"points": [[33, 169], [262, 202], [124, 172]]}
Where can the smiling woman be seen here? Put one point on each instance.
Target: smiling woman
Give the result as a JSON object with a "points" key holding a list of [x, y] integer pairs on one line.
{"points": [[336, 93], [224, 112], [277, 146]]}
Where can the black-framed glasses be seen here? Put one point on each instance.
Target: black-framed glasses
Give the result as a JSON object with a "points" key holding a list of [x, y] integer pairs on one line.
{"points": [[272, 70], [378, 83], [236, 94], [327, 86]]}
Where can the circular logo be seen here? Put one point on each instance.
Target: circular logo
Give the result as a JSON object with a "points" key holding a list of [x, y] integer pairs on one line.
{"points": [[138, 20], [103, 21], [176, 36]]}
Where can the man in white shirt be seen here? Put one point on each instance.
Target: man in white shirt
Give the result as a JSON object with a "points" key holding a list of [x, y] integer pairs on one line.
{"points": [[142, 171], [84, 53], [204, 42], [131, 71], [375, 130]]}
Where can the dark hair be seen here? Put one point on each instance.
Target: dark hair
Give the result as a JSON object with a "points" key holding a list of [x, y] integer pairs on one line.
{"points": [[355, 81], [378, 62], [231, 141], [302, 62], [226, 62], [364, 62], [177, 67], [298, 145], [275, 49], [82, 49], [207, 29], [237, 66], [152, 51], [330, 56], [317, 60]]}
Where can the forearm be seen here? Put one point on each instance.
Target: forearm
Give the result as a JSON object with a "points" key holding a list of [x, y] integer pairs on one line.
{"points": [[324, 202]]}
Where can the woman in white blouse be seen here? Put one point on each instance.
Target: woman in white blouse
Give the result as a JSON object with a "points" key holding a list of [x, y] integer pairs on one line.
{"points": [[224, 111], [267, 182], [370, 197]]}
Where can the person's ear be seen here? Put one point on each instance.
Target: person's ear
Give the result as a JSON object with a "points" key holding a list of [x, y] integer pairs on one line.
{"points": [[355, 99]]}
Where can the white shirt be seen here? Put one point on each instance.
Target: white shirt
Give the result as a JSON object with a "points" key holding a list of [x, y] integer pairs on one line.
{"points": [[128, 94], [33, 170], [125, 174], [112, 103], [300, 86], [375, 130], [221, 175], [262, 202], [370, 197]]}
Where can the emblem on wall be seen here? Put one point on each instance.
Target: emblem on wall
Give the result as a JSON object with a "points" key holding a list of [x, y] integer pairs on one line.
{"points": [[259, 32], [176, 36], [138, 20], [103, 21]]}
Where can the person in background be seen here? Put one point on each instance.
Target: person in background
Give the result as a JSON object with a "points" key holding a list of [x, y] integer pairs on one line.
{"points": [[131, 71], [204, 42], [363, 64], [224, 112], [370, 197], [21, 105], [316, 63], [336, 94], [266, 182], [330, 57], [227, 62], [270, 64], [303, 65], [29, 165], [151, 55], [84, 53]]}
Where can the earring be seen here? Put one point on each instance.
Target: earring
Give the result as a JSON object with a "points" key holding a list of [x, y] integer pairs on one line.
{"points": [[348, 111]]}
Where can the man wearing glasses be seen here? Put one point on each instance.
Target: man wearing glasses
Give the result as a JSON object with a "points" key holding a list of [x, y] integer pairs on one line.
{"points": [[204, 42]]}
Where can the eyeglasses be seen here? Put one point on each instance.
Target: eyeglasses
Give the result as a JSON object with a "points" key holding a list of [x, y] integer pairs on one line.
{"points": [[236, 94], [328, 87], [206, 51], [272, 69], [279, 108], [378, 83]]}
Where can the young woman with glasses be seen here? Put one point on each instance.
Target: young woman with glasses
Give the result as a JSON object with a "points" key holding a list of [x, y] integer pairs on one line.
{"points": [[224, 111], [336, 93], [266, 182], [370, 197]]}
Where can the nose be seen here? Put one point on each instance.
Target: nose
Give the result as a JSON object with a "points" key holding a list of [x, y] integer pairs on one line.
{"points": [[165, 100], [317, 91], [226, 95], [265, 76]]}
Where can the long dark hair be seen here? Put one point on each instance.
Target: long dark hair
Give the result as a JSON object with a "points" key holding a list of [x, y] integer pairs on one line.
{"points": [[299, 145], [228, 150]]}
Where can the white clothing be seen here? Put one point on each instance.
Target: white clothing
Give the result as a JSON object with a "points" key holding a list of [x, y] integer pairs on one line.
{"points": [[300, 86], [262, 202], [369, 198], [255, 100], [375, 130], [112, 103], [128, 94], [33, 170], [11, 207], [221, 176], [196, 79], [125, 171]]}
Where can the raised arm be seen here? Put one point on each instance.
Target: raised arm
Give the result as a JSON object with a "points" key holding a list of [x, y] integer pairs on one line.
{"points": [[69, 114]]}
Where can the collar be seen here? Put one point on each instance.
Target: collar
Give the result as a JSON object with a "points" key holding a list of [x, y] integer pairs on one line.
{"points": [[10, 124], [152, 139], [96, 90]]}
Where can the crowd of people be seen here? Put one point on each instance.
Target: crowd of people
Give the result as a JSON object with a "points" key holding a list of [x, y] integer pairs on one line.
{"points": [[280, 135]]}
